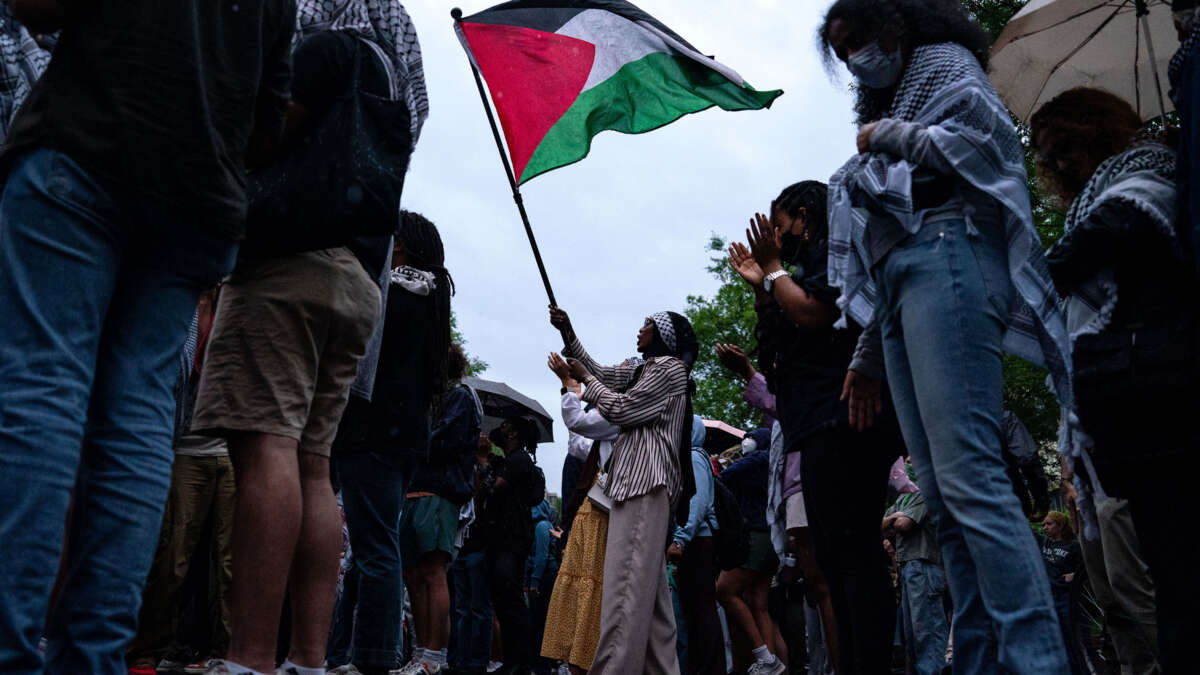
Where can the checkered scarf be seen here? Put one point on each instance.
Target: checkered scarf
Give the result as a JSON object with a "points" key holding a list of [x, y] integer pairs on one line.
{"points": [[23, 63], [1144, 176], [666, 328], [384, 23], [945, 89]]}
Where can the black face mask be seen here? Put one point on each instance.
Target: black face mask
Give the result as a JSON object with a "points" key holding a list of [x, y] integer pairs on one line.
{"points": [[790, 247]]}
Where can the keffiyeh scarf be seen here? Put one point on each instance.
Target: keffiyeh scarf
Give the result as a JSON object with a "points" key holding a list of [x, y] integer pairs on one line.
{"points": [[24, 61], [1144, 176], [414, 280], [945, 89], [666, 328], [386, 24]]}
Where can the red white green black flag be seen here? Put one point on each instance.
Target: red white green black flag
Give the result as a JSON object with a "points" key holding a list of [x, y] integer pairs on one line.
{"points": [[560, 72]]}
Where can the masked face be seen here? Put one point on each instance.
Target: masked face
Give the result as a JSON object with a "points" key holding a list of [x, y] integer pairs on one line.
{"points": [[874, 67]]}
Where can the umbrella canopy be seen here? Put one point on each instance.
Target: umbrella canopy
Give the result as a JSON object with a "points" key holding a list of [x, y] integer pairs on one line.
{"points": [[719, 436], [501, 401], [1051, 46]]}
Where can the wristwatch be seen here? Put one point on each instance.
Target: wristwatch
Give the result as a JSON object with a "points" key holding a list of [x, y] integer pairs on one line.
{"points": [[769, 281]]}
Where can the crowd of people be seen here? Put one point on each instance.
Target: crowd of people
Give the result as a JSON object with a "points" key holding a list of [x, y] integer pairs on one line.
{"points": [[235, 437]]}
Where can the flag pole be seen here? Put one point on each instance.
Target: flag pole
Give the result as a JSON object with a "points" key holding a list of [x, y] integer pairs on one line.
{"points": [[456, 14]]}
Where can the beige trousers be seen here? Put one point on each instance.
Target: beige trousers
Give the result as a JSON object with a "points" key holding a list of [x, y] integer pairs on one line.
{"points": [[637, 621]]}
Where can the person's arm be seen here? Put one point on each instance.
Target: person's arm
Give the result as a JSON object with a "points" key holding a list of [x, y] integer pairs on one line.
{"points": [[271, 105], [863, 388], [909, 141], [758, 395], [800, 305], [645, 401], [589, 424], [616, 377], [700, 502], [541, 554], [898, 522], [1097, 243]]}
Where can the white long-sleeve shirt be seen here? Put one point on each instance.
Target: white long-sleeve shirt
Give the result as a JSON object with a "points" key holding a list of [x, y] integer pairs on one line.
{"points": [[587, 427]]}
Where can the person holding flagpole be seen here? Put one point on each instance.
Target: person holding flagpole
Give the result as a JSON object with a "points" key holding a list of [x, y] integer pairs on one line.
{"points": [[651, 403]]}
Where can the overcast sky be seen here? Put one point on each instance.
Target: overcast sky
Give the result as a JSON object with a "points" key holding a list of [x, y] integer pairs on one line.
{"points": [[623, 232]]}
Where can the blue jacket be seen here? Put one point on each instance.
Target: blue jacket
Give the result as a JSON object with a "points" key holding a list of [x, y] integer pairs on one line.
{"points": [[701, 515], [542, 563]]}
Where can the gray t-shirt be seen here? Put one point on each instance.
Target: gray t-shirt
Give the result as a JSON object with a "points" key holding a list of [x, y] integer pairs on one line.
{"points": [[919, 543]]}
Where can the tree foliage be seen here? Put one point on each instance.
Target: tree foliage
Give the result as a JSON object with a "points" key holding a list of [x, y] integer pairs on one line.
{"points": [[475, 365], [727, 316]]}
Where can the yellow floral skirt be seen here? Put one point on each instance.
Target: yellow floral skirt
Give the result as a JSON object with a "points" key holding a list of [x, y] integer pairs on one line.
{"points": [[573, 620]]}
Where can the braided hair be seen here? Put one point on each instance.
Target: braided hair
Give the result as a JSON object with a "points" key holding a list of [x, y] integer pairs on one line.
{"points": [[917, 22], [422, 244], [774, 329]]}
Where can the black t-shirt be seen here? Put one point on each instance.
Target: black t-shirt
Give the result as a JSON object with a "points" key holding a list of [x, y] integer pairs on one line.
{"points": [[397, 418], [324, 68], [156, 100], [811, 364], [1061, 557], [506, 520]]}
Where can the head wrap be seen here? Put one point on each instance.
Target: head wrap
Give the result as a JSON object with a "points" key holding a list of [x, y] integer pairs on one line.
{"points": [[23, 62], [666, 330], [386, 24]]}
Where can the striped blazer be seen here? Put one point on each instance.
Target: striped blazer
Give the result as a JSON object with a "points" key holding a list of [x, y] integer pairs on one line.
{"points": [[650, 414]]}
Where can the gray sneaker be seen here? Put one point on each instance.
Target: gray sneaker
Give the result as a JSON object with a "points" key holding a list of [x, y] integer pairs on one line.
{"points": [[775, 667], [347, 669]]}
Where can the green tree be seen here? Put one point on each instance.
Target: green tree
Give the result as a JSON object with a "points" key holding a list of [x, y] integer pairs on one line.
{"points": [[475, 365], [727, 316]]}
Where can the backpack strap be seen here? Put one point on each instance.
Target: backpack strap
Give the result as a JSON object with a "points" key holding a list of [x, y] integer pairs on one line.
{"points": [[387, 66]]}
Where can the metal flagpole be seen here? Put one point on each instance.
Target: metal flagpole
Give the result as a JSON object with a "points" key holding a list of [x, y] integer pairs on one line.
{"points": [[456, 13]]}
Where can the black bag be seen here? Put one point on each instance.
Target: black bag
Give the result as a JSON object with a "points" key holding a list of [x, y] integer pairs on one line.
{"points": [[536, 489], [340, 181], [1128, 375], [731, 539]]}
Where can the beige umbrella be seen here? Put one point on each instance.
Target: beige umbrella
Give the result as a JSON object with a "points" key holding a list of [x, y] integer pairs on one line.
{"points": [[1050, 46]]}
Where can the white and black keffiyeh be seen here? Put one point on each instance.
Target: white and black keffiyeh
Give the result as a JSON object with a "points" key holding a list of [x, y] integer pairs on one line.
{"points": [[666, 329], [945, 89], [24, 61], [385, 23], [1143, 176]]}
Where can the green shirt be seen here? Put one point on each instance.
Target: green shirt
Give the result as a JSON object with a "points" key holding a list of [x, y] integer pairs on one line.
{"points": [[919, 543]]}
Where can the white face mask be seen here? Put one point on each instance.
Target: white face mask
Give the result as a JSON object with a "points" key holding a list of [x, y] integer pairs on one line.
{"points": [[876, 68]]}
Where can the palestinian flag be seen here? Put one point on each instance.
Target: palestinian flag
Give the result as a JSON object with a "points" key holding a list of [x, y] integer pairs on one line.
{"points": [[562, 71]]}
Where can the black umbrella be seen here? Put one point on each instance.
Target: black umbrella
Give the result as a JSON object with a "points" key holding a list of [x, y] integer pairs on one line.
{"points": [[501, 402]]}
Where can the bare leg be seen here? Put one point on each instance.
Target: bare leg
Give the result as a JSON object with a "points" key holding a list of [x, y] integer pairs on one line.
{"points": [[760, 587], [731, 587], [315, 567], [437, 599], [418, 598], [818, 588], [266, 527]]}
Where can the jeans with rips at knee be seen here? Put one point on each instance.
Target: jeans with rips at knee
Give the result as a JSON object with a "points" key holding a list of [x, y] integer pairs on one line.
{"points": [[96, 299], [943, 303]]}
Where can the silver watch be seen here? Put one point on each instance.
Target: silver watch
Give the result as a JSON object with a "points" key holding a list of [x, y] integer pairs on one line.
{"points": [[769, 281]]}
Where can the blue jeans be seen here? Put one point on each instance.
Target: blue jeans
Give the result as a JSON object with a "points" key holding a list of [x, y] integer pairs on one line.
{"points": [[472, 612], [925, 629], [943, 298], [96, 305], [372, 497]]}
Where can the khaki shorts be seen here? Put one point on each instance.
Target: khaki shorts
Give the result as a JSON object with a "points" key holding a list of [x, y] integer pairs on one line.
{"points": [[795, 516], [285, 345]]}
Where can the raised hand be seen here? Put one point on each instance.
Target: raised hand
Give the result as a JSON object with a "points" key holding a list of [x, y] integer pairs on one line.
{"points": [[560, 320], [578, 371], [742, 262], [764, 243], [735, 360], [559, 367]]}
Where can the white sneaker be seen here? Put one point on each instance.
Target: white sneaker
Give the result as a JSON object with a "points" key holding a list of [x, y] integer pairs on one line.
{"points": [[417, 668], [775, 667], [493, 666], [347, 669]]}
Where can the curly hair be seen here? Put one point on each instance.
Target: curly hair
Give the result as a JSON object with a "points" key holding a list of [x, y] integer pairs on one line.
{"points": [[915, 22], [773, 329], [1064, 524], [1077, 130]]}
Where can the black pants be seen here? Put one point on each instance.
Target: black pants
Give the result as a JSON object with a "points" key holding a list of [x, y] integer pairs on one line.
{"points": [[845, 476], [1162, 506], [506, 576], [572, 467], [697, 576], [539, 607]]}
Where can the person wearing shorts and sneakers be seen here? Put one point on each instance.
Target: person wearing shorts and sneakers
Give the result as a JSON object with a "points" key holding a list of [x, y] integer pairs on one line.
{"points": [[442, 483], [742, 592]]}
